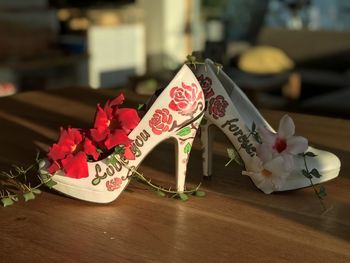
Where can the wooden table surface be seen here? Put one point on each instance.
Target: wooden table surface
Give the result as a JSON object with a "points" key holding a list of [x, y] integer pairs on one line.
{"points": [[234, 222]]}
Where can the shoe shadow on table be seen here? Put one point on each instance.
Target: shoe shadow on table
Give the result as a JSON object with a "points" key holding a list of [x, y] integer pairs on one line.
{"points": [[301, 206]]}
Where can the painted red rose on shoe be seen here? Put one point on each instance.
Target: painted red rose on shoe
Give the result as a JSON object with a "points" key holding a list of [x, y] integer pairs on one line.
{"points": [[114, 184], [160, 121], [206, 83], [184, 99], [217, 107]]}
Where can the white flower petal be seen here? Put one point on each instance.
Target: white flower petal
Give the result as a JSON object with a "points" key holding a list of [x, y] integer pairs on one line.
{"points": [[275, 166], [278, 182], [264, 151], [267, 136], [288, 162], [266, 186], [273, 182], [296, 145], [286, 127], [262, 182]]}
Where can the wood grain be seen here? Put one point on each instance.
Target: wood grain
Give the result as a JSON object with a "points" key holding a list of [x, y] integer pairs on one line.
{"points": [[234, 223]]}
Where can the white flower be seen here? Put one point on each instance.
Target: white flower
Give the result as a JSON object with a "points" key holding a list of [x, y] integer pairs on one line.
{"points": [[283, 143], [276, 154], [271, 177]]}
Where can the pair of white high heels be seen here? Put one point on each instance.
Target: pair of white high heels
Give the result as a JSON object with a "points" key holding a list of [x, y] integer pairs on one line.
{"points": [[274, 161]]}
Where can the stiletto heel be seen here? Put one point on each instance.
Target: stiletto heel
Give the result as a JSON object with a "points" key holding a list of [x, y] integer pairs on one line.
{"points": [[275, 161], [207, 138], [176, 113], [183, 144]]}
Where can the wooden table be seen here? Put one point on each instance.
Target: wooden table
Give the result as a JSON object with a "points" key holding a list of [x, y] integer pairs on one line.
{"points": [[234, 223]]}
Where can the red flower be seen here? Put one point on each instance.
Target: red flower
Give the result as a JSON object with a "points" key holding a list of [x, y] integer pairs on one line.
{"points": [[217, 106], [160, 121], [206, 86], [111, 128], [184, 99], [70, 153], [113, 124]]}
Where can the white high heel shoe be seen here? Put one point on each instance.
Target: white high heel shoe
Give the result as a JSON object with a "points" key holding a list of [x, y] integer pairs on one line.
{"points": [[176, 114], [278, 164]]}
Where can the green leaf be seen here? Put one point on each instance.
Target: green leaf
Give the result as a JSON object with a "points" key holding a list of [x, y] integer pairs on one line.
{"points": [[44, 175], [139, 107], [14, 198], [322, 192], [253, 127], [183, 197], [96, 181], [161, 193], [310, 154], [234, 156], [50, 183], [257, 137], [199, 193], [41, 164], [99, 150], [231, 153], [28, 196], [306, 174], [120, 149], [187, 148], [191, 58], [184, 131], [7, 201], [36, 191], [112, 160], [314, 172]]}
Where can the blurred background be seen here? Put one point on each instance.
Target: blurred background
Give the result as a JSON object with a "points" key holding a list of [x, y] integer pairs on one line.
{"points": [[285, 54]]}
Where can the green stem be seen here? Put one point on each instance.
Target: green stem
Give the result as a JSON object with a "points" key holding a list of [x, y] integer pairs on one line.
{"points": [[149, 183], [229, 162], [316, 192], [192, 60], [313, 186], [10, 179]]}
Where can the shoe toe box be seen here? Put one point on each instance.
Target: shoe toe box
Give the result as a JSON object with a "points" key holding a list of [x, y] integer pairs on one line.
{"points": [[326, 163]]}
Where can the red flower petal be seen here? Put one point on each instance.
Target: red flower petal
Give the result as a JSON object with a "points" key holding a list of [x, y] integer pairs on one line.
{"points": [[128, 118], [165, 128], [76, 166], [164, 117], [65, 142], [183, 105], [68, 140], [99, 134], [161, 126], [90, 149], [117, 100], [189, 96], [128, 154], [101, 118], [56, 152], [172, 91], [75, 135], [54, 167], [156, 131], [170, 120], [117, 137], [173, 106]]}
